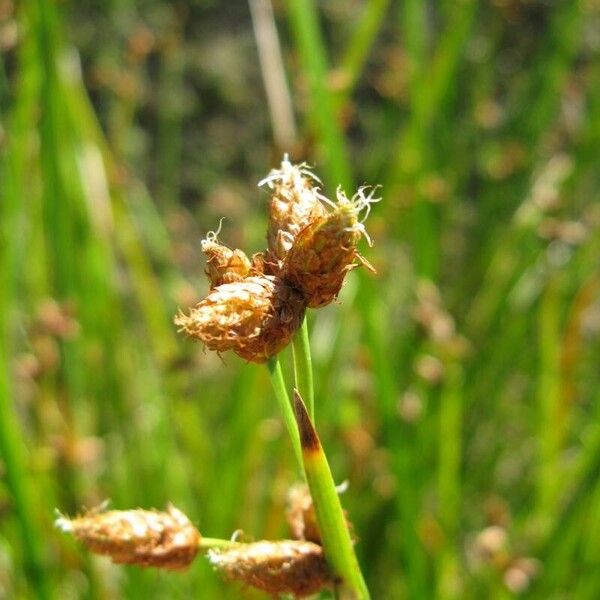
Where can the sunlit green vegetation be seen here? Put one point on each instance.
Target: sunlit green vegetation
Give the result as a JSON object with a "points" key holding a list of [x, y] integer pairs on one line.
{"points": [[457, 391]]}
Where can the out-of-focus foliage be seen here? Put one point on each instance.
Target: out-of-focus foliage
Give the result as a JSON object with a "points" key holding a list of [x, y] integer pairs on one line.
{"points": [[457, 391]]}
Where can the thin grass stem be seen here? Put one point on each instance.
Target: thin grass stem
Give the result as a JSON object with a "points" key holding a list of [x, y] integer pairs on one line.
{"points": [[206, 543], [337, 542], [303, 373], [287, 412]]}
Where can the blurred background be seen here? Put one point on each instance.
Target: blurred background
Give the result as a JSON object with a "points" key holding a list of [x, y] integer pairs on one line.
{"points": [[457, 391]]}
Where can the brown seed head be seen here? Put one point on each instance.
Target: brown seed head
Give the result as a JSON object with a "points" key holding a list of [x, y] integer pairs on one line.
{"points": [[146, 538], [282, 567], [224, 265], [295, 203], [301, 514], [325, 250], [256, 317]]}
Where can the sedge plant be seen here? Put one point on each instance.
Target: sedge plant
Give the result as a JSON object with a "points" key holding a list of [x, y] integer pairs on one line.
{"points": [[255, 307]]}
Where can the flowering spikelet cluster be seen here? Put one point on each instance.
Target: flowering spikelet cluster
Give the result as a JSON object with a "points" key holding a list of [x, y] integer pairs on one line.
{"points": [[283, 567], [255, 317], [168, 540], [255, 305], [147, 538]]}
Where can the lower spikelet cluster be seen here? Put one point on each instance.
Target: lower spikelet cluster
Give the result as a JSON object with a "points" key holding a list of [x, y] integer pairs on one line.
{"points": [[168, 540], [146, 538], [255, 317], [255, 305], [283, 567]]}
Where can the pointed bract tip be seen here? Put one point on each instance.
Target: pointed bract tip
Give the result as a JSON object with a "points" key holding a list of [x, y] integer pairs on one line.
{"points": [[308, 436]]}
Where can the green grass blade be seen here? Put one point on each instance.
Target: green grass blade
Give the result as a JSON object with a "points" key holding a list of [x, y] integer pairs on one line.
{"points": [[305, 26]]}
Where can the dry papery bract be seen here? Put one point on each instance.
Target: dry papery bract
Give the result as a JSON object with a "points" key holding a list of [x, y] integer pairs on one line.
{"points": [[284, 567], [256, 317], [148, 538]]}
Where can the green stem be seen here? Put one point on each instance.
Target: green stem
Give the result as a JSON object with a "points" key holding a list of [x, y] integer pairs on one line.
{"points": [[359, 46], [337, 541], [335, 535], [287, 412], [303, 372], [21, 487], [305, 26], [208, 543]]}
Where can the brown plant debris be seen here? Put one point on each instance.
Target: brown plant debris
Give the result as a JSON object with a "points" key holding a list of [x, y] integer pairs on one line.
{"points": [[283, 567], [147, 538]]}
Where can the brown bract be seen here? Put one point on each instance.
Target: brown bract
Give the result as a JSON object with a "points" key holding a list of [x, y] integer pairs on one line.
{"points": [[147, 538], [283, 567], [255, 317]]}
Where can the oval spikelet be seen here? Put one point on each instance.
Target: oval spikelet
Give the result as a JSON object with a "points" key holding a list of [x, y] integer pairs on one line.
{"points": [[282, 567], [255, 317], [147, 538], [224, 265], [301, 514], [295, 202], [325, 250]]}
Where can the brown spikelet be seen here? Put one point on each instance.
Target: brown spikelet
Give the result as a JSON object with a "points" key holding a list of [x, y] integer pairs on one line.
{"points": [[325, 250], [301, 514], [147, 538], [282, 567], [255, 317], [224, 265], [294, 204]]}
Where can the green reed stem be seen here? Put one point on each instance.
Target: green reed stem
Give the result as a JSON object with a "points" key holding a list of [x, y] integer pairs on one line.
{"points": [[337, 542], [303, 372], [208, 543], [20, 486], [305, 27], [335, 536], [13, 448], [287, 412]]}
